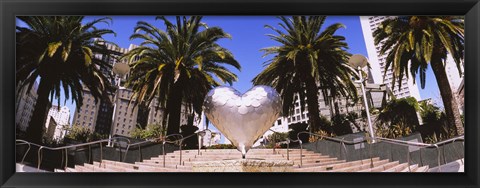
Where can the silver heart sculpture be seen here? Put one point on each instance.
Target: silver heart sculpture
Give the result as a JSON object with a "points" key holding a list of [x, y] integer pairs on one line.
{"points": [[243, 119]]}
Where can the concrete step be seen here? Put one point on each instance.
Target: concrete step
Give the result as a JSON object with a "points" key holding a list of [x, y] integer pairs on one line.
{"points": [[422, 169], [357, 168], [334, 166], [397, 168], [412, 168], [176, 168], [381, 168], [141, 167], [113, 167], [97, 168], [309, 165]]}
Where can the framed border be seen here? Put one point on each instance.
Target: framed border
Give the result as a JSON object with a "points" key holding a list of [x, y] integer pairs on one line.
{"points": [[10, 8]]}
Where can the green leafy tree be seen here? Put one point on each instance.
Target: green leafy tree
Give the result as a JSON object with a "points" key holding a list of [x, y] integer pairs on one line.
{"points": [[307, 62], [434, 122], [397, 118], [59, 52], [413, 42], [178, 66]]}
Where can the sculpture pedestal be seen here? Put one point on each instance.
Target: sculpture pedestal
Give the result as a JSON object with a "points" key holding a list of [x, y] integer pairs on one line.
{"points": [[243, 165]]}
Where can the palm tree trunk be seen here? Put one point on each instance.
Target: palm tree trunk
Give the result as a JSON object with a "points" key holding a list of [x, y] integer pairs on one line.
{"points": [[312, 101], [36, 125], [174, 107], [449, 101]]}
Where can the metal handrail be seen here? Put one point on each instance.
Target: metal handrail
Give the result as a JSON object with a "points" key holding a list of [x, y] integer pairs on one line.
{"points": [[392, 141], [40, 153], [424, 145], [139, 147], [23, 142], [180, 141]]}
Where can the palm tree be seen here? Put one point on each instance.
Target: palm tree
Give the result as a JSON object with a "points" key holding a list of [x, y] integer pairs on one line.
{"points": [[59, 51], [305, 61], [178, 66], [398, 118], [413, 42]]}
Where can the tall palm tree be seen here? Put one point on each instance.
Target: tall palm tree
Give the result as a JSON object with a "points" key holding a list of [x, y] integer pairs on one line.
{"points": [[398, 118], [306, 61], [178, 66], [413, 42], [59, 51]]}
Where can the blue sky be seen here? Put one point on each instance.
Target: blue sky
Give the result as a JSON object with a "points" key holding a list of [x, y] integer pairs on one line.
{"points": [[248, 37]]}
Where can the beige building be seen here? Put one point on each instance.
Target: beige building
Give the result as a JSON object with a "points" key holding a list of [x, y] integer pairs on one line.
{"points": [[50, 128], [86, 115], [120, 117]]}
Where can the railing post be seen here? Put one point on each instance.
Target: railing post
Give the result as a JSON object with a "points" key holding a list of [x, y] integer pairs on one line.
{"points": [[301, 154], [126, 152], [140, 153], [443, 154], [200, 143], [163, 151], [25, 155], [421, 159], [181, 141], [62, 158], [438, 157], [66, 159], [274, 142], [39, 158], [89, 153], [101, 154], [408, 160], [288, 149], [370, 154]]}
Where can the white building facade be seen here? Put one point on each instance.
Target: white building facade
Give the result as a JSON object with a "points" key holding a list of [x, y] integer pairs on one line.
{"points": [[61, 115], [378, 61]]}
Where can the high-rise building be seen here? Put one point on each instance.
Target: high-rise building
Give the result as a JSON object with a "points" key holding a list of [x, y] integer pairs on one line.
{"points": [[377, 61], [121, 115], [61, 117], [86, 115], [25, 104]]}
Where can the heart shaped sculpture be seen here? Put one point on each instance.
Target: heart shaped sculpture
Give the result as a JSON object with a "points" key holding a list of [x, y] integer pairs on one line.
{"points": [[243, 119]]}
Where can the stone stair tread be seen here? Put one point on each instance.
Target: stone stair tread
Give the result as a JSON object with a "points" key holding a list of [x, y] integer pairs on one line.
{"points": [[412, 168], [422, 169], [381, 168], [335, 165], [360, 167], [397, 168]]}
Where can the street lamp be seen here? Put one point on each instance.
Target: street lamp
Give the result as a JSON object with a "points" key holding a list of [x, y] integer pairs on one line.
{"points": [[358, 61], [120, 70]]}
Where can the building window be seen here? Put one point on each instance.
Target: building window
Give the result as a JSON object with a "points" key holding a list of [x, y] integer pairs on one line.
{"points": [[279, 122], [293, 118]]}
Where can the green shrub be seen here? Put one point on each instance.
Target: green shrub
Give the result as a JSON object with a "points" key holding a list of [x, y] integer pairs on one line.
{"points": [[152, 131], [222, 146]]}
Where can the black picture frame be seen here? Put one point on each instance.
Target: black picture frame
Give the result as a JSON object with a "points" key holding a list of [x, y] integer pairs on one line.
{"points": [[11, 8]]}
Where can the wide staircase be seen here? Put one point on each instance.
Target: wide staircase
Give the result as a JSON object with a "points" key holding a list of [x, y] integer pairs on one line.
{"points": [[309, 162]]}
